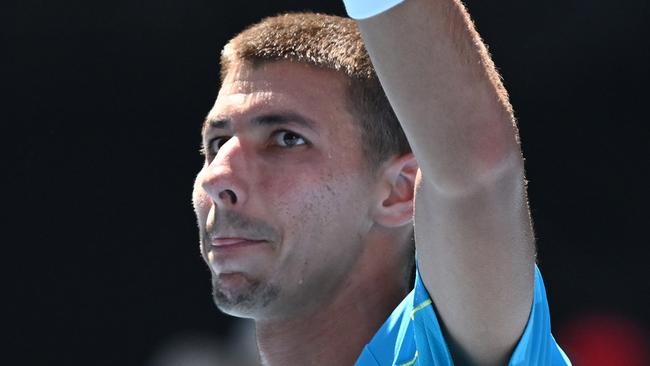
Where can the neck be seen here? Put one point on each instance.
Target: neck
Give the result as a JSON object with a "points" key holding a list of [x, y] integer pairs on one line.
{"points": [[336, 333]]}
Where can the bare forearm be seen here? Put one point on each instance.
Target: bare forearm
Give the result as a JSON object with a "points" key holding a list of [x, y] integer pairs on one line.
{"points": [[443, 86]]}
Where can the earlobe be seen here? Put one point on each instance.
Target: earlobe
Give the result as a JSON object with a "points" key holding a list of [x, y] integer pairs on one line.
{"points": [[395, 205]]}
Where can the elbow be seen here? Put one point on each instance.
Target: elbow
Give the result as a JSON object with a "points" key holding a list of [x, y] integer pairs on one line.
{"points": [[483, 173]]}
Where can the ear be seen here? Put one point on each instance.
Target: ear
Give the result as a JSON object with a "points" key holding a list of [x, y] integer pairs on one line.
{"points": [[394, 206]]}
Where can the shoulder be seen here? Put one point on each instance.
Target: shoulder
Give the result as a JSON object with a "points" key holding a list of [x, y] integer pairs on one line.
{"points": [[393, 341], [410, 327], [412, 334]]}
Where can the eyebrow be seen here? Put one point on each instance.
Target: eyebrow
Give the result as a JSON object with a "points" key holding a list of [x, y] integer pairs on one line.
{"points": [[271, 119]]}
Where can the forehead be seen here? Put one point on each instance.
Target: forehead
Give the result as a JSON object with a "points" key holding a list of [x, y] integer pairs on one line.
{"points": [[283, 86]]}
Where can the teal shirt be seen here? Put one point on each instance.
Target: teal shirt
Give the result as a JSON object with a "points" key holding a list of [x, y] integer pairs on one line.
{"points": [[412, 335]]}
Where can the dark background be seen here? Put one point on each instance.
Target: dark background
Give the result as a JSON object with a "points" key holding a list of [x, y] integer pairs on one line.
{"points": [[101, 112]]}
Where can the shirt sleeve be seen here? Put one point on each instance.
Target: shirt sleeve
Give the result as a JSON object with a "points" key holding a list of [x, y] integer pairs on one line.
{"points": [[536, 346]]}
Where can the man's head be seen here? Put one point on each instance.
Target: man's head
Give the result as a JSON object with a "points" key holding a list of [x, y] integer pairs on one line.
{"points": [[307, 185]]}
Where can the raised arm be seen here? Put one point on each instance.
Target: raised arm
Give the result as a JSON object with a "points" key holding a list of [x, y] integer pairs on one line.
{"points": [[475, 245]]}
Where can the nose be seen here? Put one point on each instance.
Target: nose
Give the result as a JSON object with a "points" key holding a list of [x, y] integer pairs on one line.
{"points": [[224, 177]]}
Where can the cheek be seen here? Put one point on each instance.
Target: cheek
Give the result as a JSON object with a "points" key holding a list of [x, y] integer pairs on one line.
{"points": [[292, 185], [310, 202]]}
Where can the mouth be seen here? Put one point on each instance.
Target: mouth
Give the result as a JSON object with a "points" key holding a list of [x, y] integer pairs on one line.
{"points": [[228, 243]]}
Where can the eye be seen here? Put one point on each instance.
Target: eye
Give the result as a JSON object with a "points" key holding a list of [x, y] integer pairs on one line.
{"points": [[215, 144], [285, 138]]}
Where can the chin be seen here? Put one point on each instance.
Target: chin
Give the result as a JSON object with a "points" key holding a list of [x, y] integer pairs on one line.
{"points": [[239, 296]]}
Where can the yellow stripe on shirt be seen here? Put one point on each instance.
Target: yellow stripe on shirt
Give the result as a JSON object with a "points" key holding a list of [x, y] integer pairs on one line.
{"points": [[420, 307], [412, 362]]}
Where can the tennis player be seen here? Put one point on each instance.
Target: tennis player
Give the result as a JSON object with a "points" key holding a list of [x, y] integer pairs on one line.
{"points": [[363, 196]]}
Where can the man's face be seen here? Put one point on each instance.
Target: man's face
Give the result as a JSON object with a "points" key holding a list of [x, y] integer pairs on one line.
{"points": [[283, 198]]}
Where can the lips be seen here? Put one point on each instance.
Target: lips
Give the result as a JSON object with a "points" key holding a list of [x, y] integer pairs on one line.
{"points": [[233, 242]]}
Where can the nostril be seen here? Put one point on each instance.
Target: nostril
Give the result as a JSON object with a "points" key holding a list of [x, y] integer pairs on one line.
{"points": [[228, 194]]}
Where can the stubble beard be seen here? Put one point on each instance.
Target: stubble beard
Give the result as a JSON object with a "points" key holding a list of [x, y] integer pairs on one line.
{"points": [[254, 295], [247, 302]]}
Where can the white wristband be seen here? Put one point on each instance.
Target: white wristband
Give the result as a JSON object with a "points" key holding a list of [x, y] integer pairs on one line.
{"points": [[363, 9]]}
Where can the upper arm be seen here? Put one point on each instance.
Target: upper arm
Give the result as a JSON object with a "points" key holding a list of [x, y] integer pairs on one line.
{"points": [[476, 260]]}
